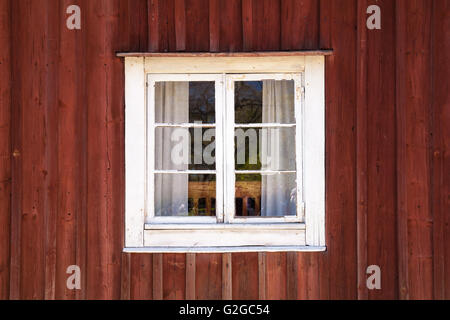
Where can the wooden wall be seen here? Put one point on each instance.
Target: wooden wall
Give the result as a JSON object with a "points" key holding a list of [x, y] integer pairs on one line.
{"points": [[62, 148]]}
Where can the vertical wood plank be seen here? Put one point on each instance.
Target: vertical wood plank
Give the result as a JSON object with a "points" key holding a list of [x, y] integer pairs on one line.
{"points": [[190, 276], [81, 225], [5, 147], [136, 21], [230, 33], [171, 36], [208, 279], [291, 275], [338, 31], [227, 276], [51, 152], [299, 24], [415, 221], [244, 276], [266, 25], [70, 147], [247, 24], [310, 272], [145, 277], [163, 25], [105, 199], [157, 276], [33, 98], [180, 25], [381, 166], [361, 149], [125, 277], [16, 147], [153, 25], [262, 276], [276, 269], [214, 25], [174, 276], [440, 185], [197, 25]]}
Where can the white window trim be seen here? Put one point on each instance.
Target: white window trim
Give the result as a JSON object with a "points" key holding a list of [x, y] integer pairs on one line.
{"points": [[165, 236]]}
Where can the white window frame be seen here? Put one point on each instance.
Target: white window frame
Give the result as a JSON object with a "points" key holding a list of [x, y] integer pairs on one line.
{"points": [[304, 232]]}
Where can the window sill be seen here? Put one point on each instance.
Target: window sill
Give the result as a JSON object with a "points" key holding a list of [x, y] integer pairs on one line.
{"points": [[224, 226], [226, 249], [225, 237]]}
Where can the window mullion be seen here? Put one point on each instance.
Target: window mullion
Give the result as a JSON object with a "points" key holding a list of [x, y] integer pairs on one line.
{"points": [[229, 145], [150, 157], [299, 144], [220, 105]]}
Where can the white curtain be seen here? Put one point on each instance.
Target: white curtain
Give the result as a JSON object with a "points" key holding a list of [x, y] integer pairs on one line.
{"points": [[171, 190], [278, 191]]}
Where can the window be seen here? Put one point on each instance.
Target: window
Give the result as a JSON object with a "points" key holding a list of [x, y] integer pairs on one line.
{"points": [[224, 153]]}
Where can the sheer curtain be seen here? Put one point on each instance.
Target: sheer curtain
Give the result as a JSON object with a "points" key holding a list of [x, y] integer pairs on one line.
{"points": [[171, 190], [278, 191]]}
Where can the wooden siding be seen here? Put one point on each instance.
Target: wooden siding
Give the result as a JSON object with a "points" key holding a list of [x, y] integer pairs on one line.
{"points": [[62, 148]]}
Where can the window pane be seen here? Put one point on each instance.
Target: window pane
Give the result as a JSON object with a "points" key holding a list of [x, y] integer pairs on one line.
{"points": [[265, 149], [185, 148], [185, 102], [267, 101], [268, 195], [182, 194]]}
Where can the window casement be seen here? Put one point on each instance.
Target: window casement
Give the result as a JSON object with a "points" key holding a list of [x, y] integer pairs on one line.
{"points": [[224, 153]]}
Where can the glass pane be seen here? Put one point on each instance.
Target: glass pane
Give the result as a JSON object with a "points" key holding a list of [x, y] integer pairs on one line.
{"points": [[185, 102], [185, 148], [183, 194], [267, 101], [265, 149], [268, 195]]}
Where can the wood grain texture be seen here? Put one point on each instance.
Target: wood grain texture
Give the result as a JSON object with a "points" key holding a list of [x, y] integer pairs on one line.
{"points": [[208, 276], [338, 31], [227, 276], [266, 26], [157, 272], [197, 25], [230, 35], [214, 25], [142, 278], [190, 276], [276, 279], [29, 228], [362, 150], [180, 25], [440, 184], [105, 174], [300, 24], [381, 166], [174, 276], [62, 144], [153, 25], [415, 221], [5, 146], [245, 276]]}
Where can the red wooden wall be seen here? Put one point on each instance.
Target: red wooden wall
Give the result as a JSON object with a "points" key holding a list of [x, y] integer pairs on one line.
{"points": [[62, 148]]}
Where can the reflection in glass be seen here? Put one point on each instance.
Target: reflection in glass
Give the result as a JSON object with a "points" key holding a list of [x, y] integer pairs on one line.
{"points": [[185, 102], [265, 149], [267, 195], [185, 148], [183, 194], [267, 101]]}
